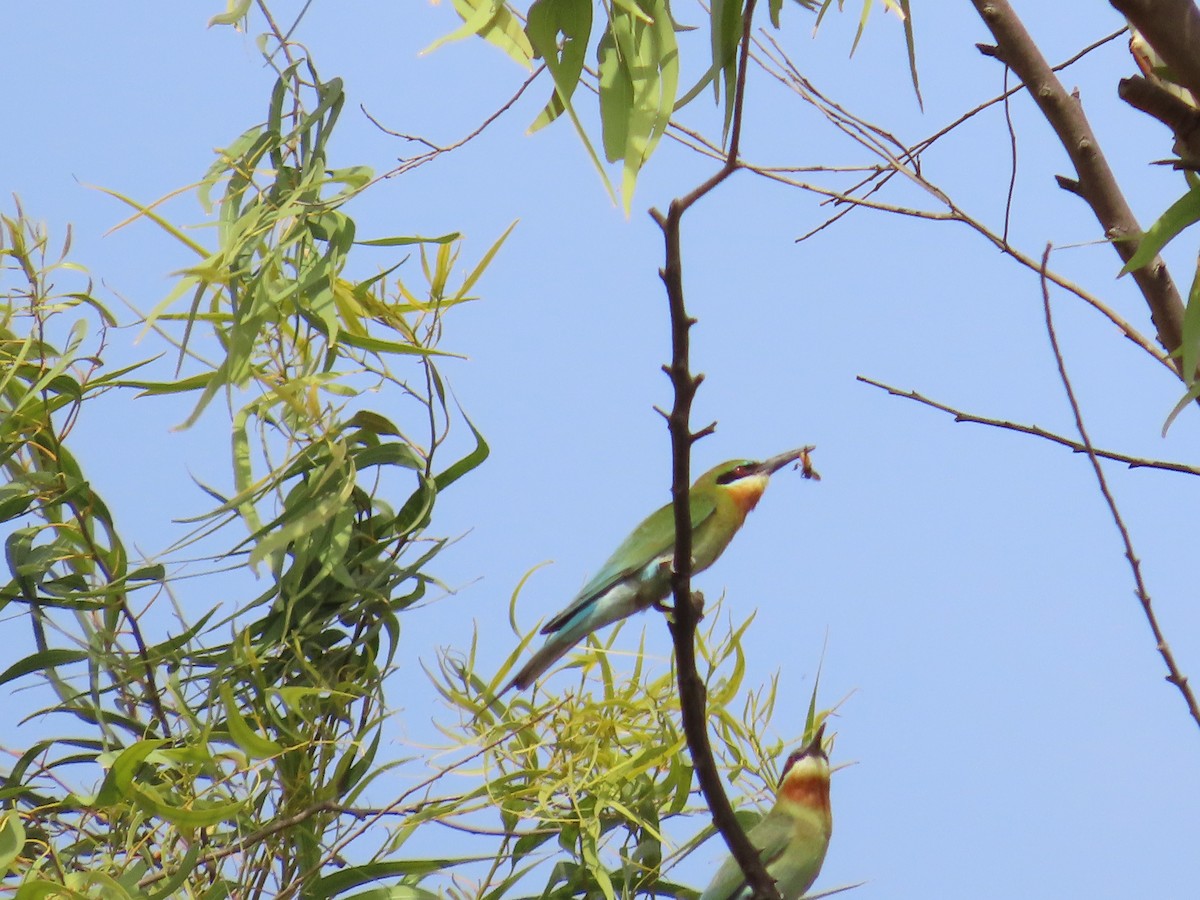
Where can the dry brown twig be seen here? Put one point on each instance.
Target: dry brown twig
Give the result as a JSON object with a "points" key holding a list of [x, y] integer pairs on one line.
{"points": [[1174, 675], [433, 150], [1134, 462], [893, 156]]}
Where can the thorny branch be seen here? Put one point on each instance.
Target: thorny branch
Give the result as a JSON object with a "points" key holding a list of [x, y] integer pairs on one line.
{"points": [[692, 693], [1174, 675]]}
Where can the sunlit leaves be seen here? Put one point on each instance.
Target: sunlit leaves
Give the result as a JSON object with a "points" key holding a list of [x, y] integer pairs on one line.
{"points": [[639, 79], [637, 64], [493, 21], [591, 769], [187, 747], [547, 20]]}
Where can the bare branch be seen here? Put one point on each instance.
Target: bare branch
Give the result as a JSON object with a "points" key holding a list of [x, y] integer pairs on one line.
{"points": [[1174, 675], [434, 150], [1134, 462], [896, 159], [1096, 182]]}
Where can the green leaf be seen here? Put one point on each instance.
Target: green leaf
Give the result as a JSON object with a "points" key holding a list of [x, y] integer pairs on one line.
{"points": [[495, 23], [119, 779], [472, 460], [200, 815], [726, 27], [38, 662], [1190, 337], [12, 839], [235, 11], [616, 95], [1182, 213], [183, 869], [573, 20], [410, 239], [910, 45], [249, 741], [1185, 401], [483, 263], [639, 80], [353, 876]]}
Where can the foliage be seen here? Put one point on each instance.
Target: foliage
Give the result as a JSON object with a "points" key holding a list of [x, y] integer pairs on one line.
{"points": [[237, 751], [1183, 213], [638, 63], [597, 776], [259, 713]]}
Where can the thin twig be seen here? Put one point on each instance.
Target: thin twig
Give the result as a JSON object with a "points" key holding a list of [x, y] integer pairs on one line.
{"points": [[1174, 675], [692, 693], [1096, 183], [434, 151], [1134, 462], [881, 144], [1012, 145]]}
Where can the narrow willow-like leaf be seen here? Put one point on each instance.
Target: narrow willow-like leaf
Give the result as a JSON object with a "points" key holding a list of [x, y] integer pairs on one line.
{"points": [[40, 662], [235, 11], [410, 239], [249, 741], [1183, 212], [12, 839], [1190, 336], [616, 95], [495, 23], [546, 21]]}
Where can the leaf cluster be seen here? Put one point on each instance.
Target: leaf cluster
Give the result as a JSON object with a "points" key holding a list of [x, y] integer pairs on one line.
{"points": [[638, 59]]}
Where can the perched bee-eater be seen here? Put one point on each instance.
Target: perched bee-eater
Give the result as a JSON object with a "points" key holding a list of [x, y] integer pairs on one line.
{"points": [[638, 574], [793, 836]]}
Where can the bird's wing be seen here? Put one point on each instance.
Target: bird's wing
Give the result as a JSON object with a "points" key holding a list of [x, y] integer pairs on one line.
{"points": [[651, 542], [770, 836]]}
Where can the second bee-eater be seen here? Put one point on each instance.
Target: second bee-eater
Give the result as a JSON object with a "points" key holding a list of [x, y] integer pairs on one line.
{"points": [[793, 837], [638, 574]]}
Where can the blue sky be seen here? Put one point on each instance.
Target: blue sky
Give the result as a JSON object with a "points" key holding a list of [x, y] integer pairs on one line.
{"points": [[1007, 717]]}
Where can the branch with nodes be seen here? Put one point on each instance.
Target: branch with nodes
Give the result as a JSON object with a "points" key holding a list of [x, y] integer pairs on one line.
{"points": [[685, 614], [1174, 675]]}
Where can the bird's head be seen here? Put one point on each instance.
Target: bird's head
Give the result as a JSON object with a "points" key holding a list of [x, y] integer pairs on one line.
{"points": [[805, 779], [745, 480]]}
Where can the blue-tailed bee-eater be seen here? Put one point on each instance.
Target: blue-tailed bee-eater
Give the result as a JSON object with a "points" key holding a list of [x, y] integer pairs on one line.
{"points": [[638, 574], [793, 837]]}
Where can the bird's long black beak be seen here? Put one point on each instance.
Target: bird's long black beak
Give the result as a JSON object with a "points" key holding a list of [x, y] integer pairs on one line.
{"points": [[816, 747], [775, 463]]}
